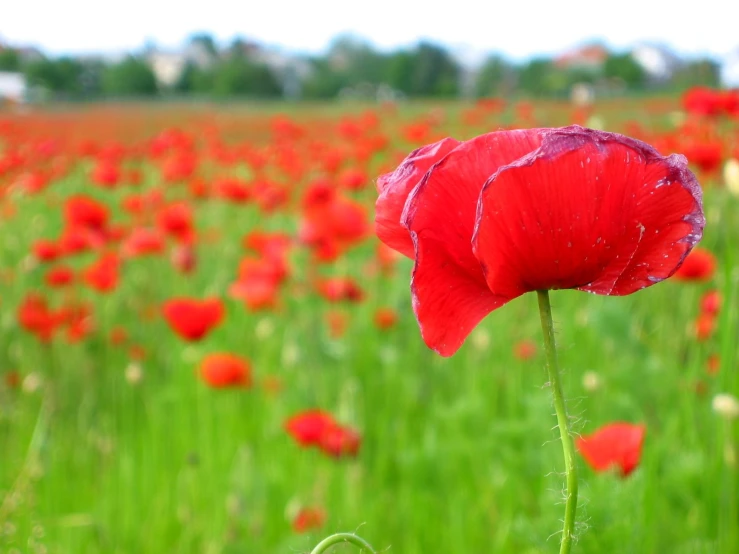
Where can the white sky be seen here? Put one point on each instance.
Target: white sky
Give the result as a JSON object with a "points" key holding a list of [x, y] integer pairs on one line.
{"points": [[517, 28]]}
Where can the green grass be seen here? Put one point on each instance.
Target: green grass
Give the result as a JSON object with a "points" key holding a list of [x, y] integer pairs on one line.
{"points": [[458, 454]]}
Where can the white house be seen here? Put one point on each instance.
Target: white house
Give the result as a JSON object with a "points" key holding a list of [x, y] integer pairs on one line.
{"points": [[12, 86], [730, 70]]}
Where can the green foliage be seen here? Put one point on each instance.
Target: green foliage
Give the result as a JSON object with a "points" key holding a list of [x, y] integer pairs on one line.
{"points": [[239, 76], [703, 71], [132, 76], [495, 77], [625, 68], [9, 60], [62, 75]]}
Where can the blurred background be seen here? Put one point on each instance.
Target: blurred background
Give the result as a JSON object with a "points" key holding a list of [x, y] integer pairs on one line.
{"points": [[385, 51]]}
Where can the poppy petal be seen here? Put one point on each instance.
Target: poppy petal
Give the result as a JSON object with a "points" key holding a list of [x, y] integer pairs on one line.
{"points": [[450, 295], [616, 444], [590, 210], [394, 189]]}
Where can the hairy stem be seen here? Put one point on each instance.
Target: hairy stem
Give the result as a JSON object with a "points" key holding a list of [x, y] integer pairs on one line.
{"points": [[568, 446], [350, 538]]}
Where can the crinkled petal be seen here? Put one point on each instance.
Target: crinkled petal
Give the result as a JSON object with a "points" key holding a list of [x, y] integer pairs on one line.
{"points": [[394, 189], [590, 210], [450, 295]]}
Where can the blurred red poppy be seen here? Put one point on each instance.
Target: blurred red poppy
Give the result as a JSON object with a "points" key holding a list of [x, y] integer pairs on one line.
{"points": [[102, 274], [59, 276], [339, 441], [700, 265], [193, 319], [307, 519], [385, 318], [616, 445], [308, 427], [224, 370], [711, 302], [511, 212]]}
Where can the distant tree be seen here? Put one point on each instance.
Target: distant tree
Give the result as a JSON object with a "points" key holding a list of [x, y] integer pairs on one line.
{"points": [[324, 81], [399, 72], [704, 71], [435, 72], [62, 76], [9, 60], [357, 61], [130, 77], [625, 68], [238, 76], [538, 77], [205, 40], [495, 75], [91, 77]]}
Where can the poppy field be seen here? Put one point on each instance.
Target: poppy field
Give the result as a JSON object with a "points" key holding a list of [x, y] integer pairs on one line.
{"points": [[205, 348]]}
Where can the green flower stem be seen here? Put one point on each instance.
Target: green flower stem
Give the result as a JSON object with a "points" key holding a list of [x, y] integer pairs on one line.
{"points": [[351, 538], [568, 446]]}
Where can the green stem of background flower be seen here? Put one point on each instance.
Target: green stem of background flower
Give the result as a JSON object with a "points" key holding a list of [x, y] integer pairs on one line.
{"points": [[350, 538], [568, 446]]}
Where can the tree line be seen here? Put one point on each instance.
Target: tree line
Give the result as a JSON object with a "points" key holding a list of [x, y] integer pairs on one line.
{"points": [[349, 66]]}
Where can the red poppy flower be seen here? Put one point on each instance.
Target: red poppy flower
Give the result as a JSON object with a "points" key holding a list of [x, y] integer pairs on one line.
{"points": [[711, 302], [307, 519], [616, 444], [193, 319], [700, 265], [511, 212], [308, 427], [83, 211], [705, 326], [35, 316], [102, 274], [338, 289], [60, 276], [224, 370], [339, 441], [524, 350], [385, 318], [143, 242], [176, 220], [46, 250]]}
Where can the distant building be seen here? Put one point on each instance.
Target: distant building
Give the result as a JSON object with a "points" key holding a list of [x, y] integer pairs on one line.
{"points": [[167, 67], [590, 57], [730, 70], [13, 87], [658, 62]]}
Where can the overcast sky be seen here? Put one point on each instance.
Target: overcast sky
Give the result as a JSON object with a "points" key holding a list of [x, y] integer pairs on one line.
{"points": [[517, 28]]}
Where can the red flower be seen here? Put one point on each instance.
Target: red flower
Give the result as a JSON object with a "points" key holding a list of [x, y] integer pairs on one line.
{"points": [[60, 276], [616, 444], [705, 326], [308, 427], [102, 275], [511, 212], [700, 265], [83, 211], [339, 441], [46, 250], [524, 350], [225, 370], [142, 242], [711, 302], [338, 289], [176, 220], [318, 428], [307, 519], [385, 318], [193, 319]]}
